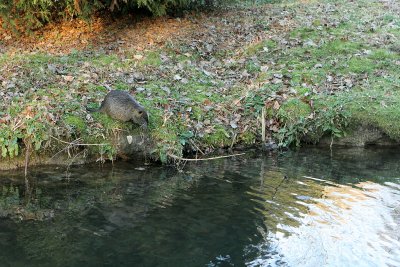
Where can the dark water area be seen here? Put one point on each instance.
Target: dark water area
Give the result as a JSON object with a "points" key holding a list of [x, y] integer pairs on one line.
{"points": [[306, 208]]}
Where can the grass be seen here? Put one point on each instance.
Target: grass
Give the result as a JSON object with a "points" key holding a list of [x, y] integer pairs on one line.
{"points": [[323, 75]]}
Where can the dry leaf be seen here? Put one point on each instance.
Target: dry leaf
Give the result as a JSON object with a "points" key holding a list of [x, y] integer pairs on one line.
{"points": [[68, 78], [276, 105]]}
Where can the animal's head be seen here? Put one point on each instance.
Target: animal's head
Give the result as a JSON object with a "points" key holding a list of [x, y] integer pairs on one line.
{"points": [[140, 117]]}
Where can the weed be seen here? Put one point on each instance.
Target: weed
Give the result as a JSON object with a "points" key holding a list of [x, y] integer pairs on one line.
{"points": [[220, 138]]}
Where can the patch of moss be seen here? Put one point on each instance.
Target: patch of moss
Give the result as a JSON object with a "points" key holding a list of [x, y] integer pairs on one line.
{"points": [[97, 88], [220, 138], [381, 54], [378, 107], [293, 109], [361, 65], [337, 47], [304, 33], [253, 49], [121, 86], [76, 122], [309, 76], [301, 90], [197, 113], [105, 60], [151, 59], [107, 121], [252, 67], [39, 59], [247, 138]]}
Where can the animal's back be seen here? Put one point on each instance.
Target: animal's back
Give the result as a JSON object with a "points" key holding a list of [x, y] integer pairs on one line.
{"points": [[119, 105]]}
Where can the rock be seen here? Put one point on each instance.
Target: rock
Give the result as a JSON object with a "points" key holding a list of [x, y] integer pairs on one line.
{"points": [[269, 146], [138, 76]]}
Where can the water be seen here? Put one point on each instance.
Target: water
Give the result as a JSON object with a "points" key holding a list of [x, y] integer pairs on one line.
{"points": [[307, 208]]}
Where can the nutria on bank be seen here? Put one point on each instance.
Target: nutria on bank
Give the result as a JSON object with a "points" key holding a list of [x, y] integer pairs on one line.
{"points": [[122, 106]]}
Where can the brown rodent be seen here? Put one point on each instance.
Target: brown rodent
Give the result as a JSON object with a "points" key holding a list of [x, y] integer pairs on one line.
{"points": [[122, 106]]}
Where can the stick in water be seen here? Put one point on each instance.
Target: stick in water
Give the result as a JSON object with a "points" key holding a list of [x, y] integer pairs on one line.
{"points": [[220, 157]]}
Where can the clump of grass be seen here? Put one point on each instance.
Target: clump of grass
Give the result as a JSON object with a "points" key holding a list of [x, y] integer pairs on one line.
{"points": [[263, 46], [152, 59], [75, 122], [220, 138], [361, 65]]}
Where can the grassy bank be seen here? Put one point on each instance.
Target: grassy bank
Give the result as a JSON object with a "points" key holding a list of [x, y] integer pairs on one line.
{"points": [[317, 68]]}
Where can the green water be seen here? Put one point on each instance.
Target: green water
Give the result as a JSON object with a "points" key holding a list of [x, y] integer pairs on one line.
{"points": [[307, 208]]}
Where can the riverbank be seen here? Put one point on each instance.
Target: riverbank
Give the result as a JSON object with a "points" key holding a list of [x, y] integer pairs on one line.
{"points": [[299, 70]]}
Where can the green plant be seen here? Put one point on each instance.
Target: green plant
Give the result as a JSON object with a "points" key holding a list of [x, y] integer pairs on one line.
{"points": [[27, 15], [329, 118], [184, 137]]}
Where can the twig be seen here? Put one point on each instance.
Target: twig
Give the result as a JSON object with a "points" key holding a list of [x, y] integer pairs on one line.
{"points": [[17, 125], [277, 188], [76, 144], [263, 125], [27, 145], [212, 158], [194, 144], [67, 173], [65, 148]]}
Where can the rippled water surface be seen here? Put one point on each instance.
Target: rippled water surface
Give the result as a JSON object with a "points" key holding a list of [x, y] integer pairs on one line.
{"points": [[307, 208]]}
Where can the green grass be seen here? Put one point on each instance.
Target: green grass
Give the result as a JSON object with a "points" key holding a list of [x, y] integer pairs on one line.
{"points": [[75, 122], [361, 65], [378, 106], [105, 60], [152, 58], [305, 33], [314, 95], [265, 46], [293, 109], [220, 138]]}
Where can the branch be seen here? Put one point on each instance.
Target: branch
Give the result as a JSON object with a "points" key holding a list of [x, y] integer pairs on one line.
{"points": [[220, 157]]}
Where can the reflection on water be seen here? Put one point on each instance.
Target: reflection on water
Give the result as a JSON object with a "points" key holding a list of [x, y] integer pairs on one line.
{"points": [[358, 224], [306, 208]]}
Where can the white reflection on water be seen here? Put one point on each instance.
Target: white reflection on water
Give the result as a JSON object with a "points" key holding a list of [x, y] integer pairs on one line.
{"points": [[348, 226]]}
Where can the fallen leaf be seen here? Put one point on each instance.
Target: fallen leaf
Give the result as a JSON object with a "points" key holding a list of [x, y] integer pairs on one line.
{"points": [[276, 105], [68, 78]]}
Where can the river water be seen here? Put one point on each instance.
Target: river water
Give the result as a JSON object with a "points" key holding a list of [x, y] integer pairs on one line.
{"points": [[306, 208]]}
